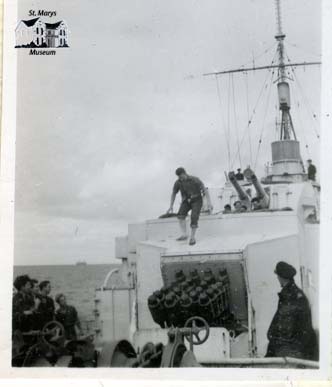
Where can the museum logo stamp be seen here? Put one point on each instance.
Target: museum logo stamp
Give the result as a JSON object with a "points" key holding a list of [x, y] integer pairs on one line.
{"points": [[40, 37]]}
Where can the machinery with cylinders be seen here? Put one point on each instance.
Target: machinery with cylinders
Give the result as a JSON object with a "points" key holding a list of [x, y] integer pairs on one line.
{"points": [[170, 304], [224, 286]]}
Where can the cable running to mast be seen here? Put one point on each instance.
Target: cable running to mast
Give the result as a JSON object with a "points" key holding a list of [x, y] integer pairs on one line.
{"points": [[265, 114], [223, 123], [235, 122]]}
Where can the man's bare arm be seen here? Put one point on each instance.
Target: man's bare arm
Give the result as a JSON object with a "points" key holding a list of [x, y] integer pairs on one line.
{"points": [[170, 210]]}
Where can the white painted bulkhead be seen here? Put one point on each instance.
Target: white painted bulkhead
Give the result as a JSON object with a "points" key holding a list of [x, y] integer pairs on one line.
{"points": [[263, 239]]}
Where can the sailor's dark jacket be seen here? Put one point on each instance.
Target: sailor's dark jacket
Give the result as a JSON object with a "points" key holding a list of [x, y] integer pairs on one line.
{"points": [[21, 303], [291, 332]]}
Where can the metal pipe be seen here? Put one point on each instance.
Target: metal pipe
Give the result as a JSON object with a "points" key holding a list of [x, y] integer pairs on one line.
{"points": [[107, 278], [269, 361], [243, 196], [261, 194]]}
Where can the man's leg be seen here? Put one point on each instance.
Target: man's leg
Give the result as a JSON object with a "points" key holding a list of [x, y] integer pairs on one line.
{"points": [[183, 229], [192, 235], [196, 207], [182, 214]]}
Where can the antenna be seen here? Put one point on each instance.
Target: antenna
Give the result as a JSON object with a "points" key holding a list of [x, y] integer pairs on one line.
{"points": [[286, 156], [278, 16], [286, 127], [280, 39]]}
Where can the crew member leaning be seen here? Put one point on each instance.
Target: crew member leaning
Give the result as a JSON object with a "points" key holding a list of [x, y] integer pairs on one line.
{"points": [[291, 332], [192, 191]]}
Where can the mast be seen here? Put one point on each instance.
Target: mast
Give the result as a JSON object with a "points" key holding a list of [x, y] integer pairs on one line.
{"points": [[287, 164], [286, 157], [280, 36], [286, 128]]}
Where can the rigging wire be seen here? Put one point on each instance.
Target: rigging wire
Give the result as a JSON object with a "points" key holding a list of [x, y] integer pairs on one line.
{"points": [[255, 107], [228, 114], [264, 119], [306, 101], [288, 43], [299, 117], [235, 122], [254, 58], [223, 122], [248, 118]]}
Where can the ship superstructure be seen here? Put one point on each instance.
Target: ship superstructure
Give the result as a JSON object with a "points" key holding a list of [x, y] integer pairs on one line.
{"points": [[238, 250]]}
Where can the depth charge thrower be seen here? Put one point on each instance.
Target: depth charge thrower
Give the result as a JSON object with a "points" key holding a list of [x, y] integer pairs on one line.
{"points": [[244, 197]]}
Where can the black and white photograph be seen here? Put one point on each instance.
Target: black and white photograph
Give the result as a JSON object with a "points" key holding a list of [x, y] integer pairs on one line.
{"points": [[168, 164]]}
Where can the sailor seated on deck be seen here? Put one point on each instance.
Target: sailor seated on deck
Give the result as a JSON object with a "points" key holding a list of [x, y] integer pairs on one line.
{"points": [[244, 208], [227, 209], [237, 206], [256, 204]]}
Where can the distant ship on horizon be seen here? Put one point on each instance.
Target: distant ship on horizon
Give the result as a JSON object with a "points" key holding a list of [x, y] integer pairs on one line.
{"points": [[81, 263]]}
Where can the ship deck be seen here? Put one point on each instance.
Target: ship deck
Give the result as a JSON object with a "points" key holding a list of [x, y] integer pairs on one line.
{"points": [[212, 245]]}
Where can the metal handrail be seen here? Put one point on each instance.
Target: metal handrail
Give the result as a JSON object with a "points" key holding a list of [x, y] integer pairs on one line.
{"points": [[269, 360], [107, 278]]}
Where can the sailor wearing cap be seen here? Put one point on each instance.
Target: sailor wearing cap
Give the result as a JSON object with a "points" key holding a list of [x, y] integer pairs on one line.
{"points": [[239, 175], [291, 333]]}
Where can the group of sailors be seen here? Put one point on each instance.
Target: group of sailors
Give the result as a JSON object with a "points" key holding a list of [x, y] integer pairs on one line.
{"points": [[311, 172], [193, 190], [33, 308], [240, 207]]}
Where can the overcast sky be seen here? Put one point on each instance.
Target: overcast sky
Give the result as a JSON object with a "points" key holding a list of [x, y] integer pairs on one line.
{"points": [[102, 125]]}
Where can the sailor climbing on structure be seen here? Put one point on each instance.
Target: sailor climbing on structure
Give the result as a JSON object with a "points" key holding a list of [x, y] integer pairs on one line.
{"points": [[192, 191]]}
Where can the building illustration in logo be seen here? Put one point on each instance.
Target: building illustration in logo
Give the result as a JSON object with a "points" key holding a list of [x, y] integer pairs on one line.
{"points": [[36, 33]]}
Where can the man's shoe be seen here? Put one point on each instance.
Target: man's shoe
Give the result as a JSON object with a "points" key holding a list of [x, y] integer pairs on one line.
{"points": [[182, 238], [192, 241]]}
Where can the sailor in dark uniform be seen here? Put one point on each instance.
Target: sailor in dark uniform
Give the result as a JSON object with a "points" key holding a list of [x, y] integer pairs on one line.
{"points": [[23, 305], [311, 170], [291, 333], [239, 175], [67, 316], [46, 306]]}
